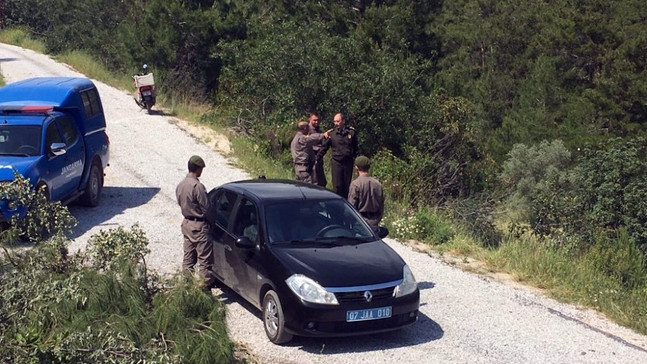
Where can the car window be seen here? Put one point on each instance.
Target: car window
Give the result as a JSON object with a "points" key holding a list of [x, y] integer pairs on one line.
{"points": [[302, 220], [68, 130], [91, 103], [223, 205], [20, 139], [246, 222], [52, 135]]}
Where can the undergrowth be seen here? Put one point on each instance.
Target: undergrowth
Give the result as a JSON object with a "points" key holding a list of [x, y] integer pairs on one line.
{"points": [[101, 305]]}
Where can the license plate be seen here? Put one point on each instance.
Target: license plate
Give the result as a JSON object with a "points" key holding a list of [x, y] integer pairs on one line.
{"points": [[146, 93], [368, 314]]}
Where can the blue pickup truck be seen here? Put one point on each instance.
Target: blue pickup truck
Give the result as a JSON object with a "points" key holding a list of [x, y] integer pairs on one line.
{"points": [[53, 132]]}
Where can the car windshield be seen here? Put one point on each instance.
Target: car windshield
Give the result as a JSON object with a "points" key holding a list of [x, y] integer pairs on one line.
{"points": [[332, 221], [20, 140]]}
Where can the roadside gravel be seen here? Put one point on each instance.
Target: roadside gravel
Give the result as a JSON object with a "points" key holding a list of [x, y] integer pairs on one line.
{"points": [[464, 318]]}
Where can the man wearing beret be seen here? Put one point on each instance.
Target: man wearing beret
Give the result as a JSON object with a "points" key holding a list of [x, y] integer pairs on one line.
{"points": [[365, 193], [192, 198]]}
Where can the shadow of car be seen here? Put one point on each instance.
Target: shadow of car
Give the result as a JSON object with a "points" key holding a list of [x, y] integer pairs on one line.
{"points": [[304, 257]]}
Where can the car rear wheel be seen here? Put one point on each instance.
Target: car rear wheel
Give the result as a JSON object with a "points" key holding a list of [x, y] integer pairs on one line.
{"points": [[92, 191], [274, 320]]}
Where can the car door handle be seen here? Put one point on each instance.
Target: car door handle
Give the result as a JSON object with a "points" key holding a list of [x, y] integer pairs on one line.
{"points": [[227, 247]]}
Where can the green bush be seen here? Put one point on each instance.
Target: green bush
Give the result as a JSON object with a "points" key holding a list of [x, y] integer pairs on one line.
{"points": [[611, 191], [533, 170], [577, 202], [396, 175], [101, 305], [426, 225], [111, 249], [619, 258], [42, 219]]}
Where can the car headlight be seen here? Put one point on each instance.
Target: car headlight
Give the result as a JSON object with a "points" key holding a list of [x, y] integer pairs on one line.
{"points": [[310, 291], [408, 285]]}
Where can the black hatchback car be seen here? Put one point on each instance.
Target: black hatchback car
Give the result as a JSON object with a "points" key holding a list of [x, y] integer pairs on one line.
{"points": [[308, 261]]}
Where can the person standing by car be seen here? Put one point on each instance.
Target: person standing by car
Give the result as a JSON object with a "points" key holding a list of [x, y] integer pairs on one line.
{"points": [[343, 142], [302, 151], [318, 174], [366, 194], [192, 198]]}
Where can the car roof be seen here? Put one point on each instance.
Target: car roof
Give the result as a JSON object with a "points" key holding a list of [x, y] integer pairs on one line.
{"points": [[51, 91], [274, 190]]}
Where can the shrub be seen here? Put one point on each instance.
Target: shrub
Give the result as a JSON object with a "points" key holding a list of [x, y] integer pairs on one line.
{"points": [[396, 175], [99, 306], [38, 218], [578, 202], [611, 191], [425, 224], [530, 171], [619, 258], [477, 216], [109, 250]]}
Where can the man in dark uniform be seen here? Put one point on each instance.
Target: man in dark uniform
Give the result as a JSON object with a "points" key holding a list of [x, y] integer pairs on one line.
{"points": [[192, 198], [366, 194], [343, 141], [318, 174]]}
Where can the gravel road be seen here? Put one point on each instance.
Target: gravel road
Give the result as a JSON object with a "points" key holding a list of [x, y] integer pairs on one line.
{"points": [[464, 318]]}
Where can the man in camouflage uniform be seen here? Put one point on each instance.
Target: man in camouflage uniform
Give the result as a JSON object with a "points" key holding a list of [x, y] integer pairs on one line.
{"points": [[302, 153], [192, 198], [365, 193], [343, 142]]}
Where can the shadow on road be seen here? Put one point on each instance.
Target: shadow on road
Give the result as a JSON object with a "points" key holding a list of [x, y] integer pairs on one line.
{"points": [[426, 285], [424, 330], [114, 201]]}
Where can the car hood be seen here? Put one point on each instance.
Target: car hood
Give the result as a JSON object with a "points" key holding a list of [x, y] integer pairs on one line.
{"points": [[345, 265], [22, 164]]}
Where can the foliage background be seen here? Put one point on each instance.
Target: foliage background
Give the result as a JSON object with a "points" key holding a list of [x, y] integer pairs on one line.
{"points": [[448, 86]]}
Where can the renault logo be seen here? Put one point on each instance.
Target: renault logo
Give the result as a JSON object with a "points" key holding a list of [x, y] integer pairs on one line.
{"points": [[368, 295]]}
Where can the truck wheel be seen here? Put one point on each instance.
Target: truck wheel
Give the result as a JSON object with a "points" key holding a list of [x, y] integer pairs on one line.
{"points": [[92, 193]]}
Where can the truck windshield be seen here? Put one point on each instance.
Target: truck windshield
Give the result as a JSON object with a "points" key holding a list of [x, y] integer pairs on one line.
{"points": [[20, 140]]}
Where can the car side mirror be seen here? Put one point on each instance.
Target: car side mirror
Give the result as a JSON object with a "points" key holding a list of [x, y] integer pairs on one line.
{"points": [[245, 243], [381, 231], [58, 148]]}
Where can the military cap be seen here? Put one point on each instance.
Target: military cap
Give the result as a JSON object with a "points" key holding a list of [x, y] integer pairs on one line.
{"points": [[197, 160], [362, 162]]}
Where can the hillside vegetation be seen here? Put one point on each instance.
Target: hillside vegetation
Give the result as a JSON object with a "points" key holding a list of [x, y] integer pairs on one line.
{"points": [[513, 131]]}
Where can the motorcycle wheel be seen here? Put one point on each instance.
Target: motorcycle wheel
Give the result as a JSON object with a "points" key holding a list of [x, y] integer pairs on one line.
{"points": [[148, 107]]}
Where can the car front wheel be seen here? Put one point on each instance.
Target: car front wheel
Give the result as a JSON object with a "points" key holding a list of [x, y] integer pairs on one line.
{"points": [[274, 320]]}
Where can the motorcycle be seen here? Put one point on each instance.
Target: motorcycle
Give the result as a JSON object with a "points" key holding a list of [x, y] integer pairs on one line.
{"points": [[145, 85]]}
